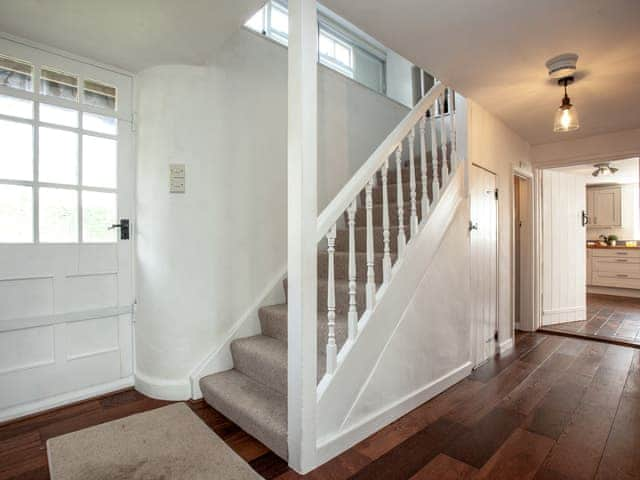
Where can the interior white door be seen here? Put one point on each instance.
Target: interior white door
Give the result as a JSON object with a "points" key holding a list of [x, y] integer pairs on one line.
{"points": [[484, 261], [564, 248], [66, 176]]}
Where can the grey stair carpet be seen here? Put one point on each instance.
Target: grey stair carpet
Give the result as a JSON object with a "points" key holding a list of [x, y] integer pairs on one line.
{"points": [[254, 393]]}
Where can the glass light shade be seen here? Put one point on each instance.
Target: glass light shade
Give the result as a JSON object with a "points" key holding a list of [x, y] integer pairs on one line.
{"points": [[566, 119]]}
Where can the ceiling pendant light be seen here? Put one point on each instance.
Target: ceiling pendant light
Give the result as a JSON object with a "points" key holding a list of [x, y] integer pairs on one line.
{"points": [[603, 170], [566, 119]]}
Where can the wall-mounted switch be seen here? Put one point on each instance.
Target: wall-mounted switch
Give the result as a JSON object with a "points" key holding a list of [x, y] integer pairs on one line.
{"points": [[177, 178]]}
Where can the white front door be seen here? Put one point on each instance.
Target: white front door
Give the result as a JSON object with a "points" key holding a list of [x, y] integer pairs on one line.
{"points": [[66, 176], [484, 261], [564, 296]]}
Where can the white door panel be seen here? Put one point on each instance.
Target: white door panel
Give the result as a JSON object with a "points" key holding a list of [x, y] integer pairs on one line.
{"points": [[66, 308], [484, 260], [564, 245]]}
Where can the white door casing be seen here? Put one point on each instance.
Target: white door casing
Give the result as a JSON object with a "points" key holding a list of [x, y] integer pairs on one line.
{"points": [[484, 261], [564, 248], [66, 308]]}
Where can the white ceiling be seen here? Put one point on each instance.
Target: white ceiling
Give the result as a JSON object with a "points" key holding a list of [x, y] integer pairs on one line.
{"points": [[130, 34], [494, 52], [629, 172]]}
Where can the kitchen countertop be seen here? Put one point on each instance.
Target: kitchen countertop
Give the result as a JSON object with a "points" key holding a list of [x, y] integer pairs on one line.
{"points": [[622, 247]]}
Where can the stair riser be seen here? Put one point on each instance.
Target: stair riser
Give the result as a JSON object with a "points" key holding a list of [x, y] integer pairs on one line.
{"points": [[360, 234], [254, 367], [341, 266], [276, 327], [361, 215], [341, 296]]}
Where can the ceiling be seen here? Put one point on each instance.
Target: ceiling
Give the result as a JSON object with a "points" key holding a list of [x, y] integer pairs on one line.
{"points": [[130, 34], [629, 172], [494, 52]]}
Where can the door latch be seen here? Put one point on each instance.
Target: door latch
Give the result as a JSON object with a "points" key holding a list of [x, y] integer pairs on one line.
{"points": [[124, 228]]}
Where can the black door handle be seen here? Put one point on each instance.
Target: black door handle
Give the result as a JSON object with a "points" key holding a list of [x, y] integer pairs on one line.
{"points": [[585, 218], [124, 228]]}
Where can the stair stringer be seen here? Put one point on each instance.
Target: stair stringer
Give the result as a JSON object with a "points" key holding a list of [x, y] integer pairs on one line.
{"points": [[346, 411]]}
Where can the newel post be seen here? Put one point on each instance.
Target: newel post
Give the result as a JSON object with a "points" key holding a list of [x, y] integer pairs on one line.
{"points": [[302, 227]]}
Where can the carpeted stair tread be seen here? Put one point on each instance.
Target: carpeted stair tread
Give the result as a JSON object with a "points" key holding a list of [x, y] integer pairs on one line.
{"points": [[257, 409]]}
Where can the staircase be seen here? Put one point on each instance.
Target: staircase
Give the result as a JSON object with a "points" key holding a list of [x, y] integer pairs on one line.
{"points": [[253, 394]]}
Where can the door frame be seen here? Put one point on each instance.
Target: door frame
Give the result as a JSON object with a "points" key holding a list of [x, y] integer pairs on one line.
{"points": [[528, 176], [478, 344]]}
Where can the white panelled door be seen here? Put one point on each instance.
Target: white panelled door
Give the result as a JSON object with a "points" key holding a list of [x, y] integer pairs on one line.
{"points": [[484, 261], [564, 248], [66, 176]]}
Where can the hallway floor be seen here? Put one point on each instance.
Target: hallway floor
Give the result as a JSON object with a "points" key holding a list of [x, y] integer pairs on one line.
{"points": [[615, 319], [551, 408]]}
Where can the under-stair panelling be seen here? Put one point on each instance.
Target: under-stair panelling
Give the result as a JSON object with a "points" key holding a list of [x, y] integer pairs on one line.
{"points": [[258, 380]]}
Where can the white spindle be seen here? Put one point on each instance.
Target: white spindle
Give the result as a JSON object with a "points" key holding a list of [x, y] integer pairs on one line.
{"points": [[443, 140], [424, 200], [352, 320], [454, 157], [435, 186], [402, 239], [413, 218], [332, 348], [371, 276], [386, 260]]}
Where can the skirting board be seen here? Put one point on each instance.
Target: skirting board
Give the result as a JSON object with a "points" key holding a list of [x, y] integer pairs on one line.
{"points": [[563, 315], [506, 345], [163, 389], [332, 447], [18, 411]]}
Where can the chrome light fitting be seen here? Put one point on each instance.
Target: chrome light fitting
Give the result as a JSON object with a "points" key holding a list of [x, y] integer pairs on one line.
{"points": [[563, 68], [604, 170]]}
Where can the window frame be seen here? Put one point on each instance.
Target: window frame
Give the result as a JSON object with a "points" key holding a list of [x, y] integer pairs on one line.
{"points": [[122, 113]]}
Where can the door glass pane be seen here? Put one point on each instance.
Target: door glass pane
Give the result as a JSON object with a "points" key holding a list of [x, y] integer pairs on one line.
{"points": [[16, 150], [99, 162], [16, 107], [16, 214], [99, 212], [58, 215], [99, 94], [279, 20], [67, 117], [58, 84], [16, 74], [100, 123], [58, 151]]}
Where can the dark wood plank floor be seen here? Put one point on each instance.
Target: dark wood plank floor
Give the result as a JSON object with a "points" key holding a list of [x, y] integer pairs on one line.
{"points": [[552, 408], [609, 318]]}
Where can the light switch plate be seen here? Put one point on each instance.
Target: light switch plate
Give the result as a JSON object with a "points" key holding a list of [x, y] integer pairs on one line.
{"points": [[177, 178], [176, 170], [176, 185]]}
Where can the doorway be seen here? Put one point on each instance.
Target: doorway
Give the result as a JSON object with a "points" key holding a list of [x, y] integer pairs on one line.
{"points": [[484, 261], [523, 253]]}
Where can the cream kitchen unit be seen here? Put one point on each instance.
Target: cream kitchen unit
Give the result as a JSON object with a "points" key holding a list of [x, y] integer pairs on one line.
{"points": [[604, 206], [614, 268]]}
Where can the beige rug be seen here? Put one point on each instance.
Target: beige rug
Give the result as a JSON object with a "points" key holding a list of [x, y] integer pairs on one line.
{"points": [[168, 443]]}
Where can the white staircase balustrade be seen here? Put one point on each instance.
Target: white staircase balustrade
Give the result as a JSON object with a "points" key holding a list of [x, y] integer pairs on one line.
{"points": [[437, 164]]}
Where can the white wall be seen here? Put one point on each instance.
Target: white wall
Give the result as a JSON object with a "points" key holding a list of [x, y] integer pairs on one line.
{"points": [[630, 229], [492, 145], [205, 257], [594, 149]]}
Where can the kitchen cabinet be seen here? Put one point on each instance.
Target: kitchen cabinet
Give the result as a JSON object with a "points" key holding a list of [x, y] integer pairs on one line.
{"points": [[604, 206], [613, 267]]}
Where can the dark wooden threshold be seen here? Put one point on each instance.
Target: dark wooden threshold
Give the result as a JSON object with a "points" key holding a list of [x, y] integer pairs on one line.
{"points": [[588, 336]]}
